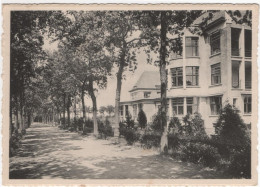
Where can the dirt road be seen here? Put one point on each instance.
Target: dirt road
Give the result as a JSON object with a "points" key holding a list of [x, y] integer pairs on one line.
{"points": [[48, 152]]}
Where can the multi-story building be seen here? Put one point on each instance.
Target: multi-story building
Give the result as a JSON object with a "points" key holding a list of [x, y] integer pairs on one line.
{"points": [[213, 68], [145, 95]]}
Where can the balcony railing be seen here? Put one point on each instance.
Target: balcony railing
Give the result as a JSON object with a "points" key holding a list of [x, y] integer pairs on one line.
{"points": [[248, 84], [235, 52], [248, 53]]}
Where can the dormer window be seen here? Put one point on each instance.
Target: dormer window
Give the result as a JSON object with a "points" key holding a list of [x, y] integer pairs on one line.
{"points": [[147, 94], [192, 47]]}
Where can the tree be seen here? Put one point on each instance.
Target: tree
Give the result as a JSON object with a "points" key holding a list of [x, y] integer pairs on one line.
{"points": [[142, 119], [110, 109], [155, 27], [121, 27], [26, 52], [230, 128], [102, 110]]}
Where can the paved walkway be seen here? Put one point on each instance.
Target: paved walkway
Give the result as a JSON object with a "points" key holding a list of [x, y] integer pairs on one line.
{"points": [[48, 152]]}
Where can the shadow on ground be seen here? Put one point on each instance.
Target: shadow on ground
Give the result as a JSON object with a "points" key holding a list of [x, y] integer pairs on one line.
{"points": [[48, 152]]}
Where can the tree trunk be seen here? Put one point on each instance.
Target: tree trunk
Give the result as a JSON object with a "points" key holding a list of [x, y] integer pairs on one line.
{"points": [[16, 124], [75, 108], [64, 110], [21, 127], [83, 109], [163, 79], [53, 116], [60, 119], [29, 119], [11, 122], [118, 89], [68, 110], [94, 102]]}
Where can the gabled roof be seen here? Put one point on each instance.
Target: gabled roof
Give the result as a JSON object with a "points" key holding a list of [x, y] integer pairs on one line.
{"points": [[148, 80]]}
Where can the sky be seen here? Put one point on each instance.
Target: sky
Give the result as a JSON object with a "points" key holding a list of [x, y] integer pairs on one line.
{"points": [[107, 96]]}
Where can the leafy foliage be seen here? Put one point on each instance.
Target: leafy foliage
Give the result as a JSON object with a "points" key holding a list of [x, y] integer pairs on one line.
{"points": [[105, 129], [234, 135], [194, 126], [142, 120]]}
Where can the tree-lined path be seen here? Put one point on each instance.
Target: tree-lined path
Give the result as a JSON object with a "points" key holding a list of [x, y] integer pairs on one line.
{"points": [[47, 152]]}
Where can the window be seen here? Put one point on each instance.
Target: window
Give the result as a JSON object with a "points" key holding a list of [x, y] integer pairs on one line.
{"points": [[159, 107], [247, 104], [235, 48], [135, 109], [215, 43], [134, 95], [192, 105], [235, 74], [215, 74], [192, 49], [147, 94], [121, 110], [215, 104], [248, 43], [177, 106], [177, 76], [234, 102], [126, 110], [192, 76], [140, 106], [248, 75]]}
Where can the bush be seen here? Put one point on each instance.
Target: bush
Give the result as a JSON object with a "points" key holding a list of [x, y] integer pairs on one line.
{"points": [[89, 126], [131, 135], [233, 134], [199, 153], [194, 126], [156, 123], [230, 128], [174, 126], [150, 139], [122, 128], [240, 162], [105, 129], [130, 123], [142, 120]]}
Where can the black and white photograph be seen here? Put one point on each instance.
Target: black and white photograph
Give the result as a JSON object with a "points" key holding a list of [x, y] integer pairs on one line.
{"points": [[151, 94]]}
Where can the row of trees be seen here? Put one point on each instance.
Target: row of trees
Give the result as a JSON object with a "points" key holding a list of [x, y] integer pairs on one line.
{"points": [[90, 45]]}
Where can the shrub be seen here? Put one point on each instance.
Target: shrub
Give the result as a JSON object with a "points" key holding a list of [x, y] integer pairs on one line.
{"points": [[230, 128], [174, 126], [235, 137], [130, 123], [150, 139], [156, 123], [105, 129], [194, 126], [240, 162], [199, 153], [122, 128], [131, 135], [142, 119]]}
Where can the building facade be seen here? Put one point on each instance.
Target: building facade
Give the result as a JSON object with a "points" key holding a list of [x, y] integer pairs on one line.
{"points": [[213, 69]]}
